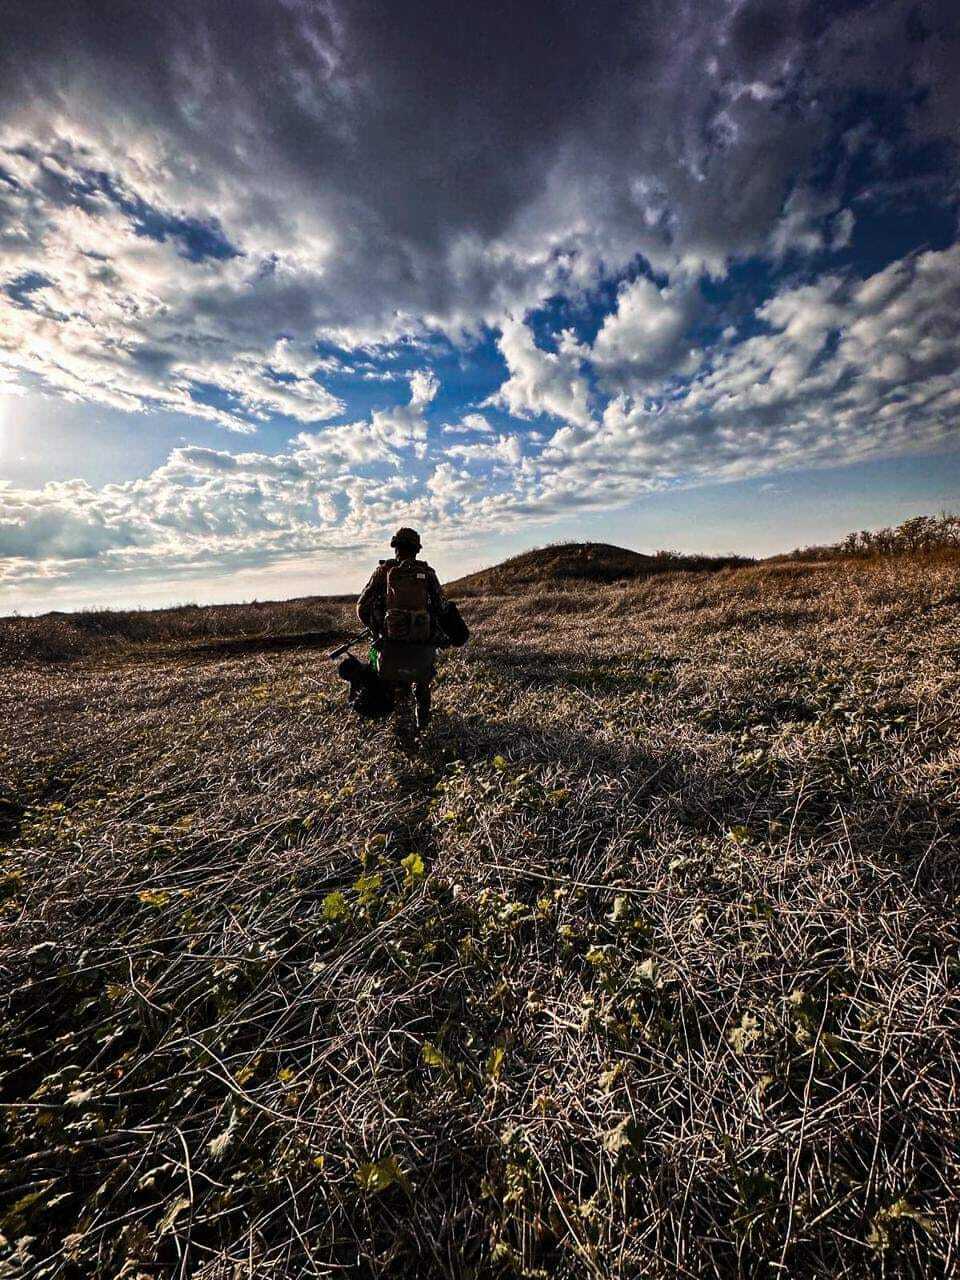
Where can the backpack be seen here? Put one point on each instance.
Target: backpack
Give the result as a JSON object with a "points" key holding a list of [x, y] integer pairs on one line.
{"points": [[407, 615], [368, 695]]}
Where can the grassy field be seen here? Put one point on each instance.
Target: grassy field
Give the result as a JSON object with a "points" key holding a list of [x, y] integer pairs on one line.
{"points": [[645, 965]]}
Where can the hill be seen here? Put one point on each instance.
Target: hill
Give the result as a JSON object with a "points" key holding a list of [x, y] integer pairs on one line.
{"points": [[587, 562], [647, 963]]}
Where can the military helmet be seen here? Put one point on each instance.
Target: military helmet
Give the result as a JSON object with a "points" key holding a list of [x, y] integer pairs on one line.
{"points": [[407, 538]]}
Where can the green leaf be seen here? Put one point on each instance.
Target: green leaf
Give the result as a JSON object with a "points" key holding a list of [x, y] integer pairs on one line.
{"points": [[173, 1212], [621, 1137], [19, 1212], [218, 1146], [366, 888], [610, 1077], [381, 1174], [154, 897], [500, 762], [805, 1014], [879, 1237], [621, 908], [335, 906], [495, 1062], [414, 869], [646, 970], [434, 1057], [740, 1038]]}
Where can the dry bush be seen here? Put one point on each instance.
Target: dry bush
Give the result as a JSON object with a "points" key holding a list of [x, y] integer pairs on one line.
{"points": [[646, 965], [936, 536], [50, 639]]}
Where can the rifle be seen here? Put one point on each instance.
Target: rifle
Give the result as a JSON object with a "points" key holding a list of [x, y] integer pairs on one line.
{"points": [[354, 639]]}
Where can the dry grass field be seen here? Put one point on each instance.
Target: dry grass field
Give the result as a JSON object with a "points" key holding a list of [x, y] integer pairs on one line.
{"points": [[645, 965]]}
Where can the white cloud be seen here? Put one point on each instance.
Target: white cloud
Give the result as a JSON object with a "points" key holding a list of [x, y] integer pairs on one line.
{"points": [[801, 227], [541, 382], [424, 385], [505, 449], [384, 437], [122, 319], [189, 233], [469, 424], [841, 370], [841, 229], [844, 370], [642, 341]]}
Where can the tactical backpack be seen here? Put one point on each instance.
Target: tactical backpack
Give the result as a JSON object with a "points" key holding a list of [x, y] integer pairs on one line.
{"points": [[408, 602], [369, 696]]}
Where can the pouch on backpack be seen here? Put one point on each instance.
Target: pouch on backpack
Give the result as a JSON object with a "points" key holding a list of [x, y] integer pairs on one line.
{"points": [[398, 662], [407, 612]]}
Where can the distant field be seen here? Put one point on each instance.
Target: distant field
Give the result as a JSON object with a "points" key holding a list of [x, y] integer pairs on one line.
{"points": [[61, 637], [647, 965], [58, 636]]}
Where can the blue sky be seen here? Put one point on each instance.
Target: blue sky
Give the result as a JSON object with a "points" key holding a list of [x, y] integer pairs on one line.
{"points": [[276, 278]]}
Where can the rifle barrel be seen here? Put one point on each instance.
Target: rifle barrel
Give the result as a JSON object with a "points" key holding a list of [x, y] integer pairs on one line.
{"points": [[344, 648]]}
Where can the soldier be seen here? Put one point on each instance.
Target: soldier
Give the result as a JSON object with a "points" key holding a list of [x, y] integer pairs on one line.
{"points": [[402, 605]]}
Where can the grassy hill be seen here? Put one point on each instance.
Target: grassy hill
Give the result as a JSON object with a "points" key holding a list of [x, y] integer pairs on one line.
{"points": [[647, 964], [570, 562]]}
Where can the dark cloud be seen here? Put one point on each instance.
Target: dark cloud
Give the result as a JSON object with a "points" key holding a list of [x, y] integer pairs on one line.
{"points": [[402, 130]]}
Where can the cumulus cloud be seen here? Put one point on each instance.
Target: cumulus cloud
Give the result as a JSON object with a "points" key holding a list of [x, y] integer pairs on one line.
{"points": [[645, 338], [314, 169], [96, 309], [843, 370], [541, 382], [802, 226], [469, 424], [839, 369], [424, 385], [382, 438], [506, 449]]}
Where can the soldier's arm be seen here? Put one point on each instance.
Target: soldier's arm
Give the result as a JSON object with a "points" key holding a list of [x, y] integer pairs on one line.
{"points": [[370, 604]]}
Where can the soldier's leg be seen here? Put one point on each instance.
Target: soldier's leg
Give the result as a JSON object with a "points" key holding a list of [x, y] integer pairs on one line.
{"points": [[403, 725], [423, 703]]}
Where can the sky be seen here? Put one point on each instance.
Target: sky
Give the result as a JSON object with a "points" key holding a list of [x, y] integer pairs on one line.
{"points": [[277, 276]]}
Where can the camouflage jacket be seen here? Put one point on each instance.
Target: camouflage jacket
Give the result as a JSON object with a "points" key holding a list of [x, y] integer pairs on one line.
{"points": [[372, 603]]}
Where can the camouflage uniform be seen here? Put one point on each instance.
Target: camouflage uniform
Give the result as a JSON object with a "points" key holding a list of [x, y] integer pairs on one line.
{"points": [[391, 654]]}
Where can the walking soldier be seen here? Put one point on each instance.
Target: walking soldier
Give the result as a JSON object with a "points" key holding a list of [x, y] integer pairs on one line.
{"points": [[402, 605]]}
